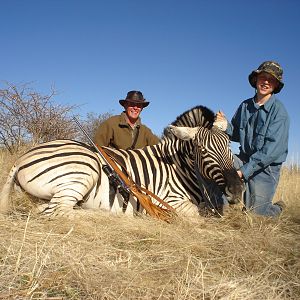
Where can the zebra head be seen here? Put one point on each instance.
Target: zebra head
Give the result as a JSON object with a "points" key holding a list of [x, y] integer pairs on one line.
{"points": [[213, 159]]}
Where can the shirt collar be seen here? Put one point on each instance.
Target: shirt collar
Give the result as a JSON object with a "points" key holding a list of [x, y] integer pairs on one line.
{"points": [[267, 106], [269, 103]]}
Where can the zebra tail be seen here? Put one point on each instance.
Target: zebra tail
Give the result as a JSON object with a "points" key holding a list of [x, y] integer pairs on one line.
{"points": [[4, 195]]}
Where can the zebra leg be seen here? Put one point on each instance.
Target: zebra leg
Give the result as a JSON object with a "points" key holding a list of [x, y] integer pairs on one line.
{"points": [[63, 202], [41, 208]]}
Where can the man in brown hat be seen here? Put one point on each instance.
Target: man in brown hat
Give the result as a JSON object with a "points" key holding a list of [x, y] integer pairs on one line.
{"points": [[125, 131], [261, 127]]}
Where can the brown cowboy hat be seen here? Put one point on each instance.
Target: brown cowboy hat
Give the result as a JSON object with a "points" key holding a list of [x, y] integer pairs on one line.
{"points": [[135, 97]]}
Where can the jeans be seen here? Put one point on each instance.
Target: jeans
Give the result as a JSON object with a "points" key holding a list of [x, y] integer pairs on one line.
{"points": [[260, 189]]}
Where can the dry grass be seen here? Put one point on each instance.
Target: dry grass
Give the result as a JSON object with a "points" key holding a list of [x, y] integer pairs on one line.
{"points": [[100, 256]]}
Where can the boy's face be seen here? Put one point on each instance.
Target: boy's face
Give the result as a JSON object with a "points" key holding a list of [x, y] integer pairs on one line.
{"points": [[265, 83]]}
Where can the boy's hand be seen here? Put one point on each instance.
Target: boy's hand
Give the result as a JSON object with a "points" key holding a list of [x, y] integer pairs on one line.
{"points": [[240, 174], [220, 121]]}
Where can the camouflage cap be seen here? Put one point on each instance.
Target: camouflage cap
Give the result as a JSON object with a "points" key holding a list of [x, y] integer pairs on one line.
{"points": [[271, 67]]}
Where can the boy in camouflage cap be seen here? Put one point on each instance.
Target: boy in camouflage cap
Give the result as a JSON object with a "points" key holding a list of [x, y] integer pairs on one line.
{"points": [[261, 127]]}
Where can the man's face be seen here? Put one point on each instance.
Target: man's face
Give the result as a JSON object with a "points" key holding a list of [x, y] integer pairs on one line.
{"points": [[265, 83], [133, 110]]}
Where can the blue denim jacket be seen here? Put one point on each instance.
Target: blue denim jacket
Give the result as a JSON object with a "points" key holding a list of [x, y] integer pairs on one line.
{"points": [[262, 132]]}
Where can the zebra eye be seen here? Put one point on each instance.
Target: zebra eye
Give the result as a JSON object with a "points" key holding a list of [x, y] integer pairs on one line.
{"points": [[203, 150]]}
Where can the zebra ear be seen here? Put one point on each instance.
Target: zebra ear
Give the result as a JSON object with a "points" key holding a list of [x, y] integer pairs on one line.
{"points": [[183, 133]]}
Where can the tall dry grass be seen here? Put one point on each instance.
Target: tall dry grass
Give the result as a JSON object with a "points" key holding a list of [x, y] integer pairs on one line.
{"points": [[101, 256]]}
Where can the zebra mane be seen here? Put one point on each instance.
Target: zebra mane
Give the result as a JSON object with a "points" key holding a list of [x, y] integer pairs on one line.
{"points": [[196, 116]]}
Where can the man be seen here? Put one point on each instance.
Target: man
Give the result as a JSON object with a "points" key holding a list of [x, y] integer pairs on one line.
{"points": [[261, 126], [125, 131]]}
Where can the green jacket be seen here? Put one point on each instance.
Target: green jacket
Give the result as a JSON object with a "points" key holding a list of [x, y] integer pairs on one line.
{"points": [[115, 132]]}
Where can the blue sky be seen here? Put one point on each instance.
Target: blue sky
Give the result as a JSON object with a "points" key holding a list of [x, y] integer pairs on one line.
{"points": [[178, 53]]}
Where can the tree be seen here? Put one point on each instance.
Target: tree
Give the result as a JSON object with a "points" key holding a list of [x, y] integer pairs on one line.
{"points": [[30, 117]]}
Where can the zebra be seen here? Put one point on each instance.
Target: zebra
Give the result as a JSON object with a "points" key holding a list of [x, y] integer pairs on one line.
{"points": [[68, 173]]}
